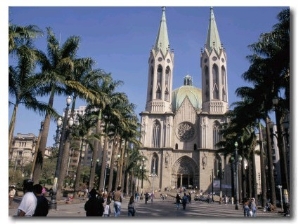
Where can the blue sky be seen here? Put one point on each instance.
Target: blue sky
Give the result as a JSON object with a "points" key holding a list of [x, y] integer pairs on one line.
{"points": [[119, 40]]}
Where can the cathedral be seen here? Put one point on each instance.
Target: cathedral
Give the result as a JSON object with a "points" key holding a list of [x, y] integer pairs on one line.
{"points": [[180, 127]]}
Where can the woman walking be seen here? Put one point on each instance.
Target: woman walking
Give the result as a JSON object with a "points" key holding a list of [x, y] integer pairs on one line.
{"points": [[178, 198], [131, 207]]}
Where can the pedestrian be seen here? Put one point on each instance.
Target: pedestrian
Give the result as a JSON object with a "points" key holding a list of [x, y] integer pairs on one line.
{"points": [[146, 197], [29, 201], [11, 194], [246, 207], [137, 196], [93, 206], [177, 200], [252, 207], [226, 200], [184, 201], [131, 207], [190, 197], [118, 196], [42, 206], [107, 210], [152, 197]]}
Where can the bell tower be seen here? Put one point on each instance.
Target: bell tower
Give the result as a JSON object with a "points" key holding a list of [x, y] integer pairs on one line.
{"points": [[213, 62], [160, 71]]}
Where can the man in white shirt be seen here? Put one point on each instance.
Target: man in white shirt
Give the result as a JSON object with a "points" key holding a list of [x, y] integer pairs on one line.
{"points": [[29, 201]]}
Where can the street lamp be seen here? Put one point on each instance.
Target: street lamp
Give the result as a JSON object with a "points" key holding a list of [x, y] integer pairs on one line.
{"points": [[60, 150], [237, 177], [212, 185], [142, 186]]}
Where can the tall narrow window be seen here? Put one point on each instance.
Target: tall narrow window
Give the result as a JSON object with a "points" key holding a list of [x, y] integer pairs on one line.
{"points": [[224, 95], [216, 134], [167, 77], [159, 82], [156, 134], [154, 164], [206, 83], [215, 73]]}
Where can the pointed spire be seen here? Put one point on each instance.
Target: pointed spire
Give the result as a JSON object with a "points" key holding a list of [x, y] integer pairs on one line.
{"points": [[162, 39], [213, 39]]}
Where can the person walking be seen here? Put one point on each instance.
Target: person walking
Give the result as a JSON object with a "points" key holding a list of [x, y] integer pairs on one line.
{"points": [[246, 207], [184, 201], [146, 197], [93, 206], [118, 196], [131, 207], [107, 210], [152, 197], [42, 206], [29, 201], [11, 194], [177, 200], [252, 207]]}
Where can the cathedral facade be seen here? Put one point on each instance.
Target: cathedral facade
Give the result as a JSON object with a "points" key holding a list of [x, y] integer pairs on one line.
{"points": [[180, 127]]}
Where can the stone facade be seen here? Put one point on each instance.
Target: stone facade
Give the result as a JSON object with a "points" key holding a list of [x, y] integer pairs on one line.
{"points": [[180, 128]]}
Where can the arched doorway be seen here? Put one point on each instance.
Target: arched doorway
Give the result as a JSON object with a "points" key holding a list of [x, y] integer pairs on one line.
{"points": [[185, 173]]}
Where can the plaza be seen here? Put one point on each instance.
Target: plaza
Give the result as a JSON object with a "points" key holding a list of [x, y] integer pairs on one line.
{"points": [[161, 209]]}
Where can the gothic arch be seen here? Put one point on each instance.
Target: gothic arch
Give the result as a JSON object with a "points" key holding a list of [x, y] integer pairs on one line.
{"points": [[185, 172]]}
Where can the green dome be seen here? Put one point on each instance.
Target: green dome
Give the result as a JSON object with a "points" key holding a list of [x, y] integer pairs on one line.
{"points": [[187, 90]]}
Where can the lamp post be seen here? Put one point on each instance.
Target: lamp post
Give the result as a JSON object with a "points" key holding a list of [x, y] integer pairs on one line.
{"points": [[60, 150], [142, 186], [221, 174], [212, 185], [237, 177]]}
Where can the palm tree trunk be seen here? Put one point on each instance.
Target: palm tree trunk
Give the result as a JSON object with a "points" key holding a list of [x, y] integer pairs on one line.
{"points": [[112, 164], [103, 165], [12, 128], [63, 168], [254, 176], [282, 152], [117, 183], [262, 169], [270, 163], [94, 158], [43, 142], [77, 179]]}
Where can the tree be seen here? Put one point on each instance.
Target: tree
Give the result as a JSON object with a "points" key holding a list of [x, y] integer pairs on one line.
{"points": [[23, 85], [19, 36], [54, 68]]}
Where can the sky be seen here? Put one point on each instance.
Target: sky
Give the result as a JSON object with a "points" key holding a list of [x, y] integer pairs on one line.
{"points": [[119, 38]]}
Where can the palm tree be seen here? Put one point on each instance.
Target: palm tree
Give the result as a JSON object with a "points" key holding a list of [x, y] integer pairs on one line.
{"points": [[105, 92], [82, 82], [23, 84], [55, 67], [83, 132], [22, 36]]}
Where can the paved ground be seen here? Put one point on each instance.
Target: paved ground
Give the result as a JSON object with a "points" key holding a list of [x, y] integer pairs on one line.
{"points": [[159, 209]]}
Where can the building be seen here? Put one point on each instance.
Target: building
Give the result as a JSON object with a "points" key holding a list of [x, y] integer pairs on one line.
{"points": [[23, 150], [180, 127]]}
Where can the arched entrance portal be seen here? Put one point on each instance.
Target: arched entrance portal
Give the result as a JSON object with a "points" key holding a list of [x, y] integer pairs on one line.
{"points": [[185, 173]]}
